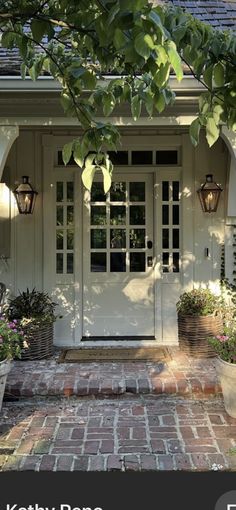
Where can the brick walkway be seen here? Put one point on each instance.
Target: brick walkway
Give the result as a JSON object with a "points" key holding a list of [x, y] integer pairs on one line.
{"points": [[137, 433], [116, 416], [181, 375]]}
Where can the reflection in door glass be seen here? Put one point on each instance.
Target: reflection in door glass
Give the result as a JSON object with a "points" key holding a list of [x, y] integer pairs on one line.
{"points": [[70, 263], [98, 215], [98, 262], [118, 238], [137, 262], [60, 238], [118, 263], [70, 191], [118, 192], [97, 192], [137, 215], [70, 214], [137, 238], [98, 238], [137, 191], [118, 214], [59, 263], [60, 215]]}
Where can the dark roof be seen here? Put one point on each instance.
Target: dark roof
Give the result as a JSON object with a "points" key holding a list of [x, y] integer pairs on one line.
{"points": [[221, 14]]}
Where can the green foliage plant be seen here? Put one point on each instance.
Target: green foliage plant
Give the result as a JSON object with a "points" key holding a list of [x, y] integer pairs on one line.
{"points": [[198, 302], [105, 53], [32, 308]]}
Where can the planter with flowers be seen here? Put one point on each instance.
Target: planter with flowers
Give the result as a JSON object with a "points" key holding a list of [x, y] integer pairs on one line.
{"points": [[12, 342], [224, 347], [35, 311], [199, 317]]}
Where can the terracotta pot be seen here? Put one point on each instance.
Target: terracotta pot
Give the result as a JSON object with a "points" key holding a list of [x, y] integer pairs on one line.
{"points": [[5, 367], [227, 375], [193, 332]]}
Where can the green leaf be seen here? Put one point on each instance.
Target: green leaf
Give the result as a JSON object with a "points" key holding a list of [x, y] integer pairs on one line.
{"points": [[207, 76], [89, 79], [108, 104], [38, 29], [88, 175], [153, 16], [23, 70], [159, 102], [78, 153], [219, 74], [162, 56], [8, 40], [143, 44], [162, 75], [67, 152], [106, 178], [175, 60], [136, 105], [119, 39], [33, 73], [212, 131], [195, 132]]}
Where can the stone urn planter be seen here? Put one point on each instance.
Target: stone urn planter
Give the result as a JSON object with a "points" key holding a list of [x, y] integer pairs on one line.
{"points": [[193, 332], [5, 367], [227, 375]]}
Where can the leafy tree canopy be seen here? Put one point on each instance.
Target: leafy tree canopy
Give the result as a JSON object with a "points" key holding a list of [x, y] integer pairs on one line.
{"points": [[81, 42]]}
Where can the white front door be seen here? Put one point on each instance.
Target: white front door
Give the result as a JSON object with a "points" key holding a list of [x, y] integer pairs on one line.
{"points": [[118, 296]]}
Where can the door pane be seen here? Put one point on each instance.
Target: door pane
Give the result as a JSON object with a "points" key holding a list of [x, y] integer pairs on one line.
{"points": [[98, 262], [175, 238], [165, 238], [118, 238], [165, 215], [137, 191], [165, 191], [118, 192], [70, 192], [97, 192], [70, 240], [137, 238], [137, 262], [175, 215], [118, 262], [176, 191], [70, 214], [70, 263], [59, 191], [137, 215], [59, 263], [118, 214], [98, 238], [98, 215], [60, 237], [60, 215]]}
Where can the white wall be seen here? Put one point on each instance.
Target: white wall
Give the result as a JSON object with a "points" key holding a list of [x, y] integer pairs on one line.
{"points": [[200, 231]]}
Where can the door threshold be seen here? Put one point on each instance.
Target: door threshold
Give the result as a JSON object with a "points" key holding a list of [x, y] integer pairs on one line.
{"points": [[116, 339], [119, 343]]}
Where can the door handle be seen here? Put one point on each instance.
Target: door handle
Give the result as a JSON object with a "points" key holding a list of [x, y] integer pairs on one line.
{"points": [[149, 245]]}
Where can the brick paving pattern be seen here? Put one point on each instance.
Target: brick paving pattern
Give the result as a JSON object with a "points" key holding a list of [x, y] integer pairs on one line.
{"points": [[139, 433], [181, 375]]}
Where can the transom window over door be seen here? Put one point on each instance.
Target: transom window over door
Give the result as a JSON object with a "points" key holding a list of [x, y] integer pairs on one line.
{"points": [[118, 258]]}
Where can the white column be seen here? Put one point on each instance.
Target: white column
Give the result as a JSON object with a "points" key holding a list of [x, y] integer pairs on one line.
{"points": [[8, 134], [230, 139]]}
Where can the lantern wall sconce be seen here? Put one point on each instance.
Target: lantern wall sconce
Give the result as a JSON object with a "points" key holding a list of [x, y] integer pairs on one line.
{"points": [[209, 194], [25, 196]]}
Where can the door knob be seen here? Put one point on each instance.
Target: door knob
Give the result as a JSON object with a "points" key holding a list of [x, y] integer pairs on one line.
{"points": [[149, 245]]}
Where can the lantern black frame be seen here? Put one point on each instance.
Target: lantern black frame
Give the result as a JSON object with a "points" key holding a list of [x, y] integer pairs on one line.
{"points": [[209, 195], [25, 196]]}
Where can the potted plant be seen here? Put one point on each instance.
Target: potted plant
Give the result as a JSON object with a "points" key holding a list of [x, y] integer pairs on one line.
{"points": [[12, 342], [199, 317], [225, 348], [36, 312]]}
